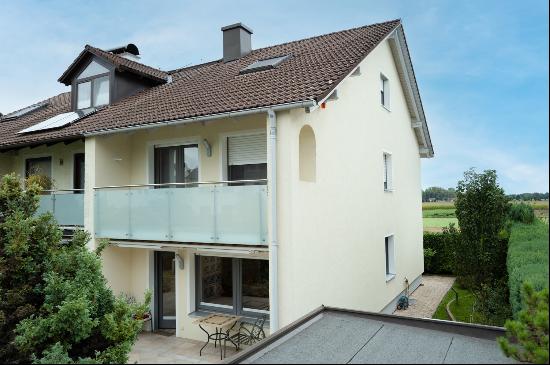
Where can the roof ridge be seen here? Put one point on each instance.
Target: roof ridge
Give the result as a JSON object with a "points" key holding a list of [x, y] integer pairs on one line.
{"points": [[36, 103], [114, 55], [397, 20], [328, 34]]}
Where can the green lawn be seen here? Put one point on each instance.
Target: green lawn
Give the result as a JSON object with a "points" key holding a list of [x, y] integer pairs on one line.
{"points": [[461, 310], [438, 223]]}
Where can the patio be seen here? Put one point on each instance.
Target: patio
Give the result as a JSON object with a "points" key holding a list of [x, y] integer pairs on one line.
{"points": [[166, 348]]}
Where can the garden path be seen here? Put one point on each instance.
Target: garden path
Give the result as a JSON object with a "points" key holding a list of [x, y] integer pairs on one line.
{"points": [[426, 298]]}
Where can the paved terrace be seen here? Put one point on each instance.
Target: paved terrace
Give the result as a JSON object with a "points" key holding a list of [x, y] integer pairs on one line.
{"points": [[341, 337], [166, 348]]}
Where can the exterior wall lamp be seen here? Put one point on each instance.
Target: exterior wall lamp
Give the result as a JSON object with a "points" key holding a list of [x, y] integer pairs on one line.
{"points": [[207, 147], [179, 259]]}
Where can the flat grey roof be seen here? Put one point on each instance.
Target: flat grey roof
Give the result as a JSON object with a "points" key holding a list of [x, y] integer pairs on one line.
{"points": [[342, 337]]}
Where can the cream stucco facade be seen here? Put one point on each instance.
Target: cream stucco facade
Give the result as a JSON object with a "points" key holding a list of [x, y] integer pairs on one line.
{"points": [[333, 212]]}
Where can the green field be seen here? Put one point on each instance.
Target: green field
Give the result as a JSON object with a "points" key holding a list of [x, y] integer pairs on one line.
{"points": [[437, 216], [440, 214], [437, 224], [463, 311]]}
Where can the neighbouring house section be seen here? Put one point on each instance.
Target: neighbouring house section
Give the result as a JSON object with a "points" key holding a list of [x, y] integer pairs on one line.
{"points": [[62, 168]]}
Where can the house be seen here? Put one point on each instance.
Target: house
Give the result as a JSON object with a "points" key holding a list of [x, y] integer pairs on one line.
{"points": [[268, 182]]}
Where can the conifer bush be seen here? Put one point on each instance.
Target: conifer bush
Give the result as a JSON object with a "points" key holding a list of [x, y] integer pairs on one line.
{"points": [[527, 337], [55, 304]]}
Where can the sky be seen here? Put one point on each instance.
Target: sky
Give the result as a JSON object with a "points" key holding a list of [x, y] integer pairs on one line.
{"points": [[482, 66]]}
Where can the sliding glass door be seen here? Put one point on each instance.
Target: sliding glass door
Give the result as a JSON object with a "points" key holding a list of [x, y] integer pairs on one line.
{"points": [[232, 285], [177, 164]]}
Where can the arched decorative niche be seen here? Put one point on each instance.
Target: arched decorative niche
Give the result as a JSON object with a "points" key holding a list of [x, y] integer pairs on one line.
{"points": [[308, 158]]}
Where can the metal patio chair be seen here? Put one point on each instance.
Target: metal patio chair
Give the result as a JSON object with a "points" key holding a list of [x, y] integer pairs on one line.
{"points": [[249, 333]]}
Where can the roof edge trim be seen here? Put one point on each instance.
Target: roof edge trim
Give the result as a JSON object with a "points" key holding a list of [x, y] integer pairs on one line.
{"points": [[398, 43], [231, 114]]}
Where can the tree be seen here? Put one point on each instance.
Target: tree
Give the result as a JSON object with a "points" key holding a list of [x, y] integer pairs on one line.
{"points": [[66, 313], [482, 210], [527, 337], [436, 193]]}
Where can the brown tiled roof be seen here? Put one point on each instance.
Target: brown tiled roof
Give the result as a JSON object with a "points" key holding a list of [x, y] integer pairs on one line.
{"points": [[9, 128], [121, 63], [314, 67]]}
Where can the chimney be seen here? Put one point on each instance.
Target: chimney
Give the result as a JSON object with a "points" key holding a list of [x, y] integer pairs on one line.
{"points": [[129, 51], [236, 41]]}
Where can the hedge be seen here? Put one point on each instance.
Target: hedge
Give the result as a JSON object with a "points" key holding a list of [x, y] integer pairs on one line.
{"points": [[522, 213], [441, 248], [527, 259]]}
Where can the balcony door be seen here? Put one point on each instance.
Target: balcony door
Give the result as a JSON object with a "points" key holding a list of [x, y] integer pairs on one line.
{"points": [[177, 164], [165, 272], [78, 173]]}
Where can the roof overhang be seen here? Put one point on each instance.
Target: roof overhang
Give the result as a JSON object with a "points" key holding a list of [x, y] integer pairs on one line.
{"points": [[401, 55]]}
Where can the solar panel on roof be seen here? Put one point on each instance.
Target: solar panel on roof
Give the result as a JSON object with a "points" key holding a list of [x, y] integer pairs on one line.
{"points": [[24, 111], [264, 64], [59, 120]]}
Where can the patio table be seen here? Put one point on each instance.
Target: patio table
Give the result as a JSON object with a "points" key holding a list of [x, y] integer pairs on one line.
{"points": [[221, 324]]}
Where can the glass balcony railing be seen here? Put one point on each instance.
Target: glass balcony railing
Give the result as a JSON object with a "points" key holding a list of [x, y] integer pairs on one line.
{"points": [[67, 206], [219, 213]]}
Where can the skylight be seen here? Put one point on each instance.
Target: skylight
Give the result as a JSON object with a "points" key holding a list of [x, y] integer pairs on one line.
{"points": [[59, 120], [24, 111], [262, 65]]}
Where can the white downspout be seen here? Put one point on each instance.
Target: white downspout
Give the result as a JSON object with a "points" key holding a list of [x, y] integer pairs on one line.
{"points": [[274, 244]]}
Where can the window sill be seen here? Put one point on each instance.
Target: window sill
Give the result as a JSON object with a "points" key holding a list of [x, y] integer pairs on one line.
{"points": [[389, 190], [244, 318], [389, 277], [385, 107]]}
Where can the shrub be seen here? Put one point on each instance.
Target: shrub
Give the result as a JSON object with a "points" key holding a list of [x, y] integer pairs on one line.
{"points": [[527, 337], [527, 259], [441, 249], [428, 256], [492, 300], [523, 213]]}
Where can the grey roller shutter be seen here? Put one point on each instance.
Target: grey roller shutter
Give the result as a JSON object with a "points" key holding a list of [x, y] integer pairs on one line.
{"points": [[247, 149]]}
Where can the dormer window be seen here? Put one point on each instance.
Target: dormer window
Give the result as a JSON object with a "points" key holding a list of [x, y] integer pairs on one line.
{"points": [[92, 86]]}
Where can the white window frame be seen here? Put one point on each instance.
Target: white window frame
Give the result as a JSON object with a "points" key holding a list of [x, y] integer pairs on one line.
{"points": [[385, 91], [387, 171], [389, 257]]}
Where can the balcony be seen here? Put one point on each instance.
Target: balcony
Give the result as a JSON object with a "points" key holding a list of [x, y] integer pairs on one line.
{"points": [[220, 213], [67, 206]]}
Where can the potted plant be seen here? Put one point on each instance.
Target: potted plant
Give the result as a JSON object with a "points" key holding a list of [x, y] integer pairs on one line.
{"points": [[141, 311]]}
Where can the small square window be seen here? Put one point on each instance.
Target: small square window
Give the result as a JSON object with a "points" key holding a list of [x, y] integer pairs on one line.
{"points": [[389, 251], [388, 172], [384, 91]]}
